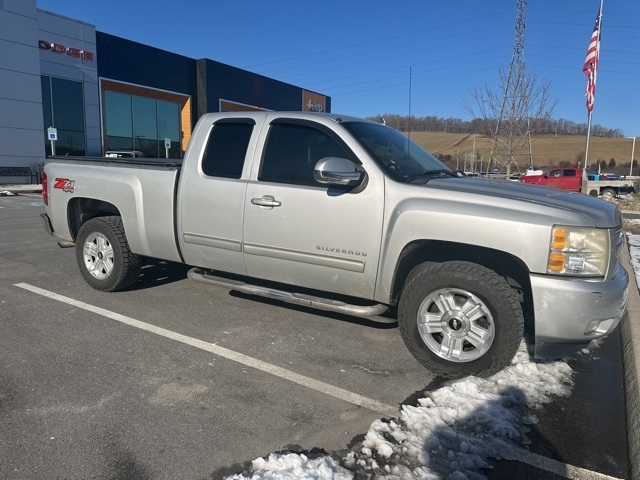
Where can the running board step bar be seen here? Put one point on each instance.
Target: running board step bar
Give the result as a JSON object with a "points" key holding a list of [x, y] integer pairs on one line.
{"points": [[371, 312]]}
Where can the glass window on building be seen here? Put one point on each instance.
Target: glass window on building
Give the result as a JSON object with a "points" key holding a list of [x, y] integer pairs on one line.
{"points": [[169, 127], [119, 122], [145, 131], [142, 124], [63, 108]]}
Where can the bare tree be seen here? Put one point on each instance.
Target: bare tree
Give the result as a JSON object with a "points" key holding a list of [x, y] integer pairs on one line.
{"points": [[510, 116]]}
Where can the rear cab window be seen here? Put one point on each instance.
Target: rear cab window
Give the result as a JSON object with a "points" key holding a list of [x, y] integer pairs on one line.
{"points": [[226, 148]]}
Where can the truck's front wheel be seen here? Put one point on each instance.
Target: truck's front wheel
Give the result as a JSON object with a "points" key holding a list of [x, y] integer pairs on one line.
{"points": [[103, 255], [460, 318]]}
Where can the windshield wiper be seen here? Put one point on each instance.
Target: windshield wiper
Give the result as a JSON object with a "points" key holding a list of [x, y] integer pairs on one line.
{"points": [[429, 173]]}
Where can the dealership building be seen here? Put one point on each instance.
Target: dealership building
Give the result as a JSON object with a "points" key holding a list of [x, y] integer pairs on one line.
{"points": [[66, 86]]}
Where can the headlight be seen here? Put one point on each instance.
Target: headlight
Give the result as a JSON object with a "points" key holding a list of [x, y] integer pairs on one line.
{"points": [[579, 251]]}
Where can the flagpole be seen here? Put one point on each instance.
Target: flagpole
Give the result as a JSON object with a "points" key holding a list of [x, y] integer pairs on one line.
{"points": [[586, 150]]}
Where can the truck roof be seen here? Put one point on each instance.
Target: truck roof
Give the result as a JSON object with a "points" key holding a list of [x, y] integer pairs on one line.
{"points": [[338, 118]]}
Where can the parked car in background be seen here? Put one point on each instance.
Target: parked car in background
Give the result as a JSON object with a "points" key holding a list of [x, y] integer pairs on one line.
{"points": [[611, 176], [564, 178], [604, 185], [124, 154]]}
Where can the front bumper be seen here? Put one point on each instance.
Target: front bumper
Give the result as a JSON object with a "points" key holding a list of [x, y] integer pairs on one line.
{"points": [[570, 312]]}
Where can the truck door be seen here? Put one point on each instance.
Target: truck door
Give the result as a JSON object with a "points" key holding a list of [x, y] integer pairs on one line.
{"points": [[211, 201], [555, 178], [571, 180], [300, 232]]}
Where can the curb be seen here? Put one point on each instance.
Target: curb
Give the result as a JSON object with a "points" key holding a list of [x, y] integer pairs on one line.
{"points": [[18, 189], [630, 329]]}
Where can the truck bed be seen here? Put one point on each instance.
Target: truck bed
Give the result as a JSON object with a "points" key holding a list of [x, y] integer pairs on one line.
{"points": [[156, 162], [140, 190]]}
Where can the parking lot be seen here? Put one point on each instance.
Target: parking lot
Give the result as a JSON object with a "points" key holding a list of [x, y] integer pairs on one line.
{"points": [[177, 379]]}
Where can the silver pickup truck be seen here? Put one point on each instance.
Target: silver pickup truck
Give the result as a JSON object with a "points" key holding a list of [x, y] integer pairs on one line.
{"points": [[347, 215]]}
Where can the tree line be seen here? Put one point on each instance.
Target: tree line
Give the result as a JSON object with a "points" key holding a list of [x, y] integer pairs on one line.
{"points": [[560, 126]]}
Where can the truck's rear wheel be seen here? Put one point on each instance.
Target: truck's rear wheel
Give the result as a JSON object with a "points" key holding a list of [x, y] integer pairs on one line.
{"points": [[459, 319], [608, 193], [103, 255]]}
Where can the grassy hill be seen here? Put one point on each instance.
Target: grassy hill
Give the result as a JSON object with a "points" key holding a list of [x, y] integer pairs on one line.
{"points": [[548, 150]]}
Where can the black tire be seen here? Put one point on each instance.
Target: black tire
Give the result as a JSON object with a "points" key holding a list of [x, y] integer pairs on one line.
{"points": [[608, 193], [103, 255], [457, 342]]}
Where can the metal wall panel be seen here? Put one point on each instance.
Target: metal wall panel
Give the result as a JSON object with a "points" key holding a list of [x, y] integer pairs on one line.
{"points": [[21, 127]]}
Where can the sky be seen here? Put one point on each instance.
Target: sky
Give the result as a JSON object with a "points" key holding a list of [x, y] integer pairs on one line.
{"points": [[404, 57]]}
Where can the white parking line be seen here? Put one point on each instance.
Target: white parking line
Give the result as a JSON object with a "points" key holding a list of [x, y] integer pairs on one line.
{"points": [[308, 382], [523, 456], [559, 468]]}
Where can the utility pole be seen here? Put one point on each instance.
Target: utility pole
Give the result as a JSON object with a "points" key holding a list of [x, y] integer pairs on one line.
{"points": [[633, 151], [410, 103], [511, 107]]}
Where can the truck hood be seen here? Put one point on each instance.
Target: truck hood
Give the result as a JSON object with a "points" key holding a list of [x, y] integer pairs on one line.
{"points": [[603, 214]]}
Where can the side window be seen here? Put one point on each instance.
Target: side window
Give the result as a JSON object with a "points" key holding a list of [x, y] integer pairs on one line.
{"points": [[555, 173], [226, 149], [292, 152], [569, 173]]}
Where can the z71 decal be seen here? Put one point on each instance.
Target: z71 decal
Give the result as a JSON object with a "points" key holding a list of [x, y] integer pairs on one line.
{"points": [[64, 184]]}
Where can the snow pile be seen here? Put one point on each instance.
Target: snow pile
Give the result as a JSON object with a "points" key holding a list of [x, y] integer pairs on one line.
{"points": [[634, 252], [450, 434], [294, 466], [457, 427]]}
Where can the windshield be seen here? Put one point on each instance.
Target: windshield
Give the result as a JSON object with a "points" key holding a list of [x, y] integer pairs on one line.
{"points": [[398, 156]]}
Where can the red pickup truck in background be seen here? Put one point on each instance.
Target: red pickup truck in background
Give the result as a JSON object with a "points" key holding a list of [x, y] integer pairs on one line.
{"points": [[565, 178], [571, 179]]}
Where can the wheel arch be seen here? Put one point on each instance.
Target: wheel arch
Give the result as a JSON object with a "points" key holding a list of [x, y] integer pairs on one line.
{"points": [[81, 209], [434, 251]]}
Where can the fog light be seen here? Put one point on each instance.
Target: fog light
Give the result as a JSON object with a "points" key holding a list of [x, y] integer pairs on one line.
{"points": [[599, 326], [592, 327]]}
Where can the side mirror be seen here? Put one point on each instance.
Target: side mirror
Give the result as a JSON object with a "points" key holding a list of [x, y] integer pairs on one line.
{"points": [[337, 171]]}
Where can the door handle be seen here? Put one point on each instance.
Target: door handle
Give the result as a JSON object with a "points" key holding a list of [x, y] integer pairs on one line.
{"points": [[266, 201]]}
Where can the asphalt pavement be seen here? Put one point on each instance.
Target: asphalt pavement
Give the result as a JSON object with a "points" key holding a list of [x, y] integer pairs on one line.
{"points": [[630, 335]]}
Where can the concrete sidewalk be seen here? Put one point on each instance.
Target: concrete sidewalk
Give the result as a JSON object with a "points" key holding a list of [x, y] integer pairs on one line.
{"points": [[18, 189]]}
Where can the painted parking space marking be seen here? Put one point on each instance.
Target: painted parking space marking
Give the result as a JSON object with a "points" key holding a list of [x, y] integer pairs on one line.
{"points": [[303, 380], [517, 454], [559, 468]]}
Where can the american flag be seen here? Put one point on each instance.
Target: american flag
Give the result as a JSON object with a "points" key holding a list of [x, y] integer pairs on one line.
{"points": [[590, 67]]}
